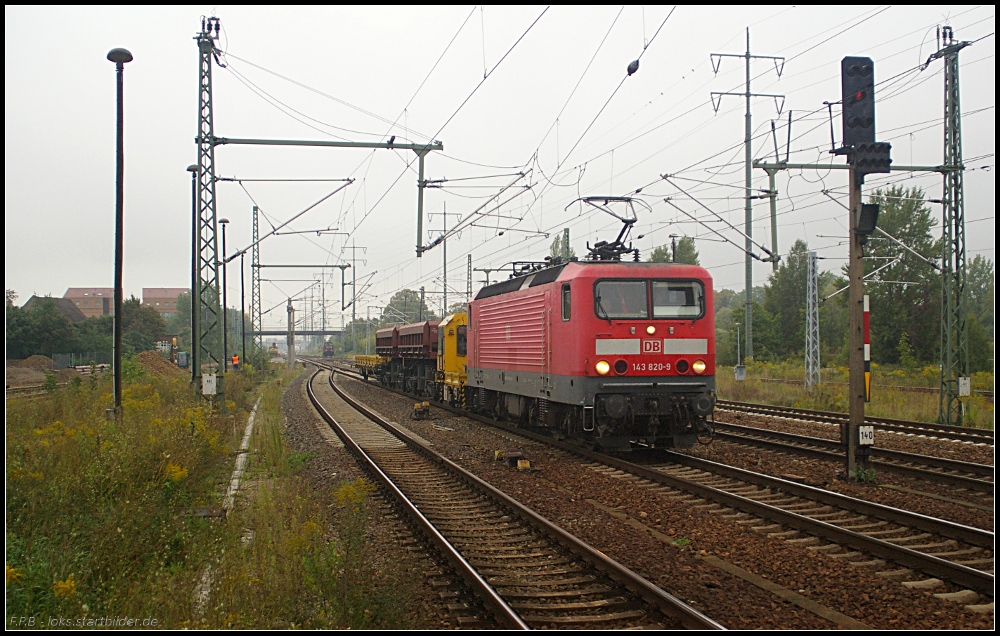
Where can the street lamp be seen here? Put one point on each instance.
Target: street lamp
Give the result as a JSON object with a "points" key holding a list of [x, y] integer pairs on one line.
{"points": [[195, 292], [740, 370], [120, 57], [225, 266], [738, 359]]}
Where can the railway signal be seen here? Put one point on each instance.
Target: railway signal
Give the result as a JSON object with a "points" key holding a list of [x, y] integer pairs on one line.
{"points": [[865, 156], [857, 82]]}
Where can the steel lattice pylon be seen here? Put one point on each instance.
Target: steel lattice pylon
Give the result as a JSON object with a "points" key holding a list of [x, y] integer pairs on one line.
{"points": [[207, 336], [255, 310], [954, 328], [812, 322]]}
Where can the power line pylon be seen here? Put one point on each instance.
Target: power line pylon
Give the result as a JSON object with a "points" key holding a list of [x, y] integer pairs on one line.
{"points": [[207, 345], [812, 323], [749, 160], [255, 303], [954, 328]]}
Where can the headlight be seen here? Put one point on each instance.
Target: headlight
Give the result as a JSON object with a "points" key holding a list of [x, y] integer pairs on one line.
{"points": [[699, 366], [602, 367], [651, 330]]}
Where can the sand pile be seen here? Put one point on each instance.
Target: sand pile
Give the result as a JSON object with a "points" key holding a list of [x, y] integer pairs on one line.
{"points": [[156, 364], [34, 362]]}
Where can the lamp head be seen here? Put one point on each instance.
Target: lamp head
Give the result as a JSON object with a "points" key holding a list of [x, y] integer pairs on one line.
{"points": [[119, 56]]}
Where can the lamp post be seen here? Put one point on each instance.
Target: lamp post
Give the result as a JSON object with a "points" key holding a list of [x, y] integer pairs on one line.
{"points": [[225, 309], [243, 314], [120, 57], [195, 291], [738, 362]]}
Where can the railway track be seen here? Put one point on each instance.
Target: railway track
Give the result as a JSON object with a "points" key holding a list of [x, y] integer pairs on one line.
{"points": [[974, 477], [944, 431], [528, 572], [916, 550], [913, 389], [919, 551]]}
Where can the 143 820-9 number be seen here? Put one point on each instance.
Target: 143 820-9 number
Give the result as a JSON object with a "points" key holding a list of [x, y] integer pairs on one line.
{"points": [[650, 366]]}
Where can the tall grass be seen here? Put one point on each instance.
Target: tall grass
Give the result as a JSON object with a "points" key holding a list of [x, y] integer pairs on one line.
{"points": [[95, 510], [831, 394], [99, 523], [309, 564]]}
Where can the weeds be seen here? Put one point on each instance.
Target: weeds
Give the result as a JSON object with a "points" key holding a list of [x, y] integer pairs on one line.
{"points": [[865, 476], [831, 394], [99, 516], [93, 508], [309, 564]]}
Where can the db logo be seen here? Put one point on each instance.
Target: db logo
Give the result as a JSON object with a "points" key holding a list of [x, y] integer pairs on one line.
{"points": [[652, 346]]}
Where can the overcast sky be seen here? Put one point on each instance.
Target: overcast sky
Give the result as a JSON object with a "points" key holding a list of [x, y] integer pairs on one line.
{"points": [[556, 104]]}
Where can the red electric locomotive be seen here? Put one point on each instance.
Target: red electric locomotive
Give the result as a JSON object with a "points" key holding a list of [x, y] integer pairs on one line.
{"points": [[614, 353], [620, 353]]}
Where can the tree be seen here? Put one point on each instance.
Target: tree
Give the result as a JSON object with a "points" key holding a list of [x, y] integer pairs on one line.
{"points": [[784, 306], [141, 326], [680, 251], [980, 313], [180, 322], [907, 295], [560, 249], [458, 308], [97, 334], [41, 330], [405, 307], [979, 291]]}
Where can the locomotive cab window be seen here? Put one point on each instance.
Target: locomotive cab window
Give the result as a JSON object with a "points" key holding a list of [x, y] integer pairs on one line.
{"points": [[678, 299], [565, 302], [620, 299], [462, 340]]}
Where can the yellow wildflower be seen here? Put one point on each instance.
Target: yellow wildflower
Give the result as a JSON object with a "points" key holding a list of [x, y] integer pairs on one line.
{"points": [[352, 493], [13, 574], [174, 472], [65, 588]]}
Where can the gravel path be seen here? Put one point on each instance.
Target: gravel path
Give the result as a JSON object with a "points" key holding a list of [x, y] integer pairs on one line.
{"points": [[678, 545], [332, 464]]}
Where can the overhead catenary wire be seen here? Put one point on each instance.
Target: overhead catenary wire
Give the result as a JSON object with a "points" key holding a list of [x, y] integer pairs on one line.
{"points": [[617, 173]]}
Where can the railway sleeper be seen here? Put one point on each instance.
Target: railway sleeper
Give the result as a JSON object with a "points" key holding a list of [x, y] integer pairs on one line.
{"points": [[481, 563], [574, 569], [471, 548], [865, 526], [591, 590], [512, 583], [604, 602], [915, 537], [873, 563], [585, 619], [490, 553]]}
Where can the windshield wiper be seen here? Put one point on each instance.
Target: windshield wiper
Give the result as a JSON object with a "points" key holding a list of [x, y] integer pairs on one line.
{"points": [[601, 308]]}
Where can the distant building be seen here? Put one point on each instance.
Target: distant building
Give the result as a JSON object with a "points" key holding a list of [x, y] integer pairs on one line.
{"points": [[65, 306], [92, 301], [163, 299]]}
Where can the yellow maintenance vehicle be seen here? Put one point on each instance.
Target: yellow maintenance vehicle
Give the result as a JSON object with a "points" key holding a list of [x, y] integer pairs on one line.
{"points": [[370, 364], [452, 352]]}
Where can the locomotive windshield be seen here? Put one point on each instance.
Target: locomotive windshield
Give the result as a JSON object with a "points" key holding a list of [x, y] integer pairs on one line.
{"points": [[628, 299], [621, 299], [678, 299]]}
